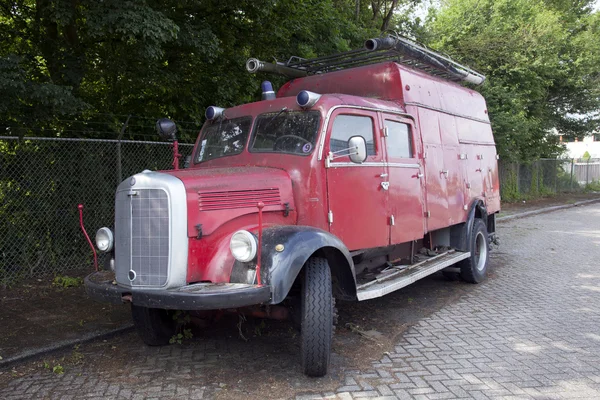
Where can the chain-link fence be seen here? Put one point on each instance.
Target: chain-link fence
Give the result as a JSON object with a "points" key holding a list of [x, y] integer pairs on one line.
{"points": [[42, 180], [544, 177]]}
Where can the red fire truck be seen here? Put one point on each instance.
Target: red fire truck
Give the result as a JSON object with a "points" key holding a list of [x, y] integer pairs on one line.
{"points": [[367, 171]]}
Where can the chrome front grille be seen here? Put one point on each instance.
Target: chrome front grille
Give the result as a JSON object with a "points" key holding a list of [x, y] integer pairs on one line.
{"points": [[142, 237]]}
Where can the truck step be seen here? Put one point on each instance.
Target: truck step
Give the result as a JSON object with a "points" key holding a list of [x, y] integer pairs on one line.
{"points": [[405, 275]]}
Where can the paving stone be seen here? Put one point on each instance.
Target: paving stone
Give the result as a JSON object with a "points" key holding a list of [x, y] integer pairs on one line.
{"points": [[530, 331]]}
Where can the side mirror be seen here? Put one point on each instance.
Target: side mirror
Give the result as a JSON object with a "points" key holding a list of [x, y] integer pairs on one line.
{"points": [[166, 129], [357, 145]]}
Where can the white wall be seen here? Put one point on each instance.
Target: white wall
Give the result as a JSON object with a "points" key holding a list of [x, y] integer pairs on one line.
{"points": [[578, 149]]}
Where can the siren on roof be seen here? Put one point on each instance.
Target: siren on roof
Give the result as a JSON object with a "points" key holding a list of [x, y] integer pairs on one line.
{"points": [[213, 112], [306, 99]]}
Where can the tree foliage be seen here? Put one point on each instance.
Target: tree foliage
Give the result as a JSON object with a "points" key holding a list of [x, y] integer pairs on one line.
{"points": [[156, 57], [72, 60], [542, 61]]}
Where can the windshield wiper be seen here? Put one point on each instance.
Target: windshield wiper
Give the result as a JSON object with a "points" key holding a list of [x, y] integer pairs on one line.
{"points": [[284, 109]]}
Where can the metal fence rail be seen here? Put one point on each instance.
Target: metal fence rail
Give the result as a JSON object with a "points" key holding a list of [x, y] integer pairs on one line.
{"points": [[42, 180]]}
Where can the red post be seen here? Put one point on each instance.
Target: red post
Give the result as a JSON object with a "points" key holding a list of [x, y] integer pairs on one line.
{"points": [[80, 207], [176, 155], [260, 206]]}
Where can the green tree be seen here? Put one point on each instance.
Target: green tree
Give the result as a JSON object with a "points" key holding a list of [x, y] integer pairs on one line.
{"points": [[542, 62], [155, 57]]}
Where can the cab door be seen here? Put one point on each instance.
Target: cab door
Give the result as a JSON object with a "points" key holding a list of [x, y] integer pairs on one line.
{"points": [[405, 175], [357, 192]]}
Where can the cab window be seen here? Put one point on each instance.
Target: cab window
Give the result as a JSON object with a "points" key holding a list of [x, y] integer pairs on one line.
{"points": [[399, 140], [223, 138], [346, 126]]}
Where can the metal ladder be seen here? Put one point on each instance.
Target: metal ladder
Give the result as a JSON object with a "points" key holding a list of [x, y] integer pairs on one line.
{"points": [[388, 48]]}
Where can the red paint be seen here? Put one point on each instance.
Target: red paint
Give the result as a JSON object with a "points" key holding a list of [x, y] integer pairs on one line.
{"points": [[176, 155], [260, 207], [80, 207], [453, 164]]}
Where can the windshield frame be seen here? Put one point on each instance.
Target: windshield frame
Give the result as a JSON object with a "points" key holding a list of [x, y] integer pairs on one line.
{"points": [[314, 143]]}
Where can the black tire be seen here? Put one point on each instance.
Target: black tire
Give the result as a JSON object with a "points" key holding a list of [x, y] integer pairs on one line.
{"points": [[316, 317], [474, 268], [155, 326]]}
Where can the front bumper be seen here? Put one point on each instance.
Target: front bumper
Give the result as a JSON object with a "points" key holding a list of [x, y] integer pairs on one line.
{"points": [[101, 286]]}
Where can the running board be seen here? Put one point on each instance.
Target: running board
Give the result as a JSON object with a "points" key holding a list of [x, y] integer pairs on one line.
{"points": [[397, 280]]}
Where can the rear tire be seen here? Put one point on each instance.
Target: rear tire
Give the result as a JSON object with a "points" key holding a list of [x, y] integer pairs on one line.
{"points": [[154, 325], [316, 317], [474, 268]]}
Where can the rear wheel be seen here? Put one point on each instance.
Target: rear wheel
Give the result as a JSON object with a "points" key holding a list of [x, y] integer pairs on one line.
{"points": [[474, 268], [316, 316], [154, 325]]}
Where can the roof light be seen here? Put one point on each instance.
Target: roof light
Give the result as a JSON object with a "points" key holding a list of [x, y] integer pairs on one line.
{"points": [[306, 99], [267, 91], [213, 112]]}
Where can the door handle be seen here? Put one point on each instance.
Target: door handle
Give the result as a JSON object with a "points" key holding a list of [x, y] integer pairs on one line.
{"points": [[419, 175], [445, 172], [384, 175], [385, 185]]}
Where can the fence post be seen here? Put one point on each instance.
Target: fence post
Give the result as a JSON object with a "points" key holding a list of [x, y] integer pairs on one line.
{"points": [[518, 178], [537, 167], [572, 172], [119, 168], [587, 172], [556, 164]]}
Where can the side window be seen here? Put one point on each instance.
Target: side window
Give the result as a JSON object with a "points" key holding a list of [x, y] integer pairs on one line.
{"points": [[399, 140], [346, 126]]}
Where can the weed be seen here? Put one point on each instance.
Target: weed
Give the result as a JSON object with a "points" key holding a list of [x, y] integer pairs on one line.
{"points": [[178, 338], [81, 322], [66, 281], [58, 369], [593, 186], [410, 300], [258, 330], [183, 319]]}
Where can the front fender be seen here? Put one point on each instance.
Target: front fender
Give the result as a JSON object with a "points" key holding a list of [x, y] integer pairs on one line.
{"points": [[279, 269]]}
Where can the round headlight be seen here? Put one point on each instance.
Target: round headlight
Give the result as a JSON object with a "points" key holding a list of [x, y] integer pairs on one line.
{"points": [[243, 246], [104, 239]]}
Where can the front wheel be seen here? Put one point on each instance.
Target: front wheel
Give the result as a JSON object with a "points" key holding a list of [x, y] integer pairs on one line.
{"points": [[155, 326], [474, 268], [316, 317]]}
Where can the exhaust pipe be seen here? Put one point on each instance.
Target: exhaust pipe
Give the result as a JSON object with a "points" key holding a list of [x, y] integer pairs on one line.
{"points": [[254, 65]]}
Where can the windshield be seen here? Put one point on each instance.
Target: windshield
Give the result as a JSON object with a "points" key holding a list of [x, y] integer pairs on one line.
{"points": [[286, 132], [223, 138]]}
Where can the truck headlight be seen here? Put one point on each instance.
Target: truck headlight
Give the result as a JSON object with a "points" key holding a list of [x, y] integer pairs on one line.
{"points": [[243, 246], [104, 239]]}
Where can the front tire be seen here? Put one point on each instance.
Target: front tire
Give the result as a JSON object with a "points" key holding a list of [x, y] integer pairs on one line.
{"points": [[155, 326], [474, 268], [316, 317]]}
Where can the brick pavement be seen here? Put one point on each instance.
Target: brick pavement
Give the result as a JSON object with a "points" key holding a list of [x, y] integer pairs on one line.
{"points": [[531, 331]]}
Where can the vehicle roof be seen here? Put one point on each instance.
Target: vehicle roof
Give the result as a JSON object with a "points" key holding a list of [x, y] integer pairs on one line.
{"points": [[397, 83], [326, 102]]}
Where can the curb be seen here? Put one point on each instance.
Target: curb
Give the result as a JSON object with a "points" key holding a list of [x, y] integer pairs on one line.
{"points": [[545, 210], [89, 337]]}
